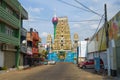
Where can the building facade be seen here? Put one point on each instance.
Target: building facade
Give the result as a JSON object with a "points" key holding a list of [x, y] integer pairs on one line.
{"points": [[49, 43], [11, 17], [23, 46], [33, 40], [97, 45]]}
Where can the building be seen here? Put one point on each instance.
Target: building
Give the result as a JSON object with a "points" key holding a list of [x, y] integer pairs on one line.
{"points": [[11, 17], [49, 43], [97, 45], [82, 51], [62, 41], [23, 46], [75, 42], [33, 40]]}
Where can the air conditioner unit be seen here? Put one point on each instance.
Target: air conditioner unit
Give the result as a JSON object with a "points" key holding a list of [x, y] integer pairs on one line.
{"points": [[4, 47]]}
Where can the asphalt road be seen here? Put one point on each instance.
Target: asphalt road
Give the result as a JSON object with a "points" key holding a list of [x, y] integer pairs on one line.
{"points": [[60, 71]]}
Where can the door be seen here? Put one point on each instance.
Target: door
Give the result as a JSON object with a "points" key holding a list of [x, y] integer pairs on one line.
{"points": [[9, 59]]}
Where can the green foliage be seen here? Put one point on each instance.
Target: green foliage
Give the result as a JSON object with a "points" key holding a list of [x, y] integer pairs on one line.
{"points": [[45, 53]]}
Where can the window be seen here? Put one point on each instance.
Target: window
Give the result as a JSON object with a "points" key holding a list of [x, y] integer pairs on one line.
{"points": [[61, 40], [9, 31], [61, 44], [29, 43]]}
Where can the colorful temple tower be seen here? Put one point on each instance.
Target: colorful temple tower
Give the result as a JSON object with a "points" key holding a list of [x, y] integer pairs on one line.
{"points": [[62, 39], [75, 42]]}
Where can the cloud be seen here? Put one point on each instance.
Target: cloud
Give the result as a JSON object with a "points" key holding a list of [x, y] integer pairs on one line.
{"points": [[95, 0], [94, 26], [35, 9], [44, 34], [76, 26], [117, 2]]}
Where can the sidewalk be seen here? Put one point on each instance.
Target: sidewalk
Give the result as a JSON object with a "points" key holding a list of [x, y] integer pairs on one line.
{"points": [[14, 69], [105, 76]]}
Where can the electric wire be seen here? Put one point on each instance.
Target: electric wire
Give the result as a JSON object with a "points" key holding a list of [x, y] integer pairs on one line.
{"points": [[98, 25], [87, 8], [73, 5], [85, 20], [71, 21]]}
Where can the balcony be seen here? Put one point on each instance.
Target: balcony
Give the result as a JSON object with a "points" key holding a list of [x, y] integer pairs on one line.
{"points": [[24, 13], [9, 39], [35, 50], [9, 18], [13, 3], [23, 32], [17, 7]]}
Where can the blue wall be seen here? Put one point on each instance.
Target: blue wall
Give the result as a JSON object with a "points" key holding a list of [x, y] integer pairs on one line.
{"points": [[69, 57]]}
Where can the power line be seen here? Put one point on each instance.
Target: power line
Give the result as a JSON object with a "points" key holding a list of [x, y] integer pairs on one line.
{"points": [[46, 20], [73, 5], [85, 20], [87, 8], [98, 25]]}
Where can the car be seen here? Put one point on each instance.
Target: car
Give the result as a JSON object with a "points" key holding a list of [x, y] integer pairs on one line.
{"points": [[51, 62], [89, 64]]}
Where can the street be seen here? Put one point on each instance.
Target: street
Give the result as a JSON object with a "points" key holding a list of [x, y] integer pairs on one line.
{"points": [[60, 71]]}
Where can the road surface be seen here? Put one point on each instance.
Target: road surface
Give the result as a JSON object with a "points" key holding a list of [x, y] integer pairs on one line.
{"points": [[60, 71]]}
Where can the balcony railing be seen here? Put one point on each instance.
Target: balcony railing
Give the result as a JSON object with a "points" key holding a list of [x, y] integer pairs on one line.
{"points": [[9, 39], [17, 7], [23, 32], [8, 18], [14, 4], [24, 13]]}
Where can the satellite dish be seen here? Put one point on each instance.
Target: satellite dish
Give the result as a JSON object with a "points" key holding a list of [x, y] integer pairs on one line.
{"points": [[24, 42]]}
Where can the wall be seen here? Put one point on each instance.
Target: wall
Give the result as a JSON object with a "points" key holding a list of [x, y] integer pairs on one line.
{"points": [[1, 59]]}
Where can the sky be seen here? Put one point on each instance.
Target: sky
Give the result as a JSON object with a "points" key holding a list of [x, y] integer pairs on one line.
{"points": [[41, 12]]}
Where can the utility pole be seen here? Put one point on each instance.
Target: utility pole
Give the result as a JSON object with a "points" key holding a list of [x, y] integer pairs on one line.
{"points": [[107, 41]]}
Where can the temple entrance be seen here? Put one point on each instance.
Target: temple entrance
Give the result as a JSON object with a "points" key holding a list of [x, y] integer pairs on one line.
{"points": [[61, 56]]}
